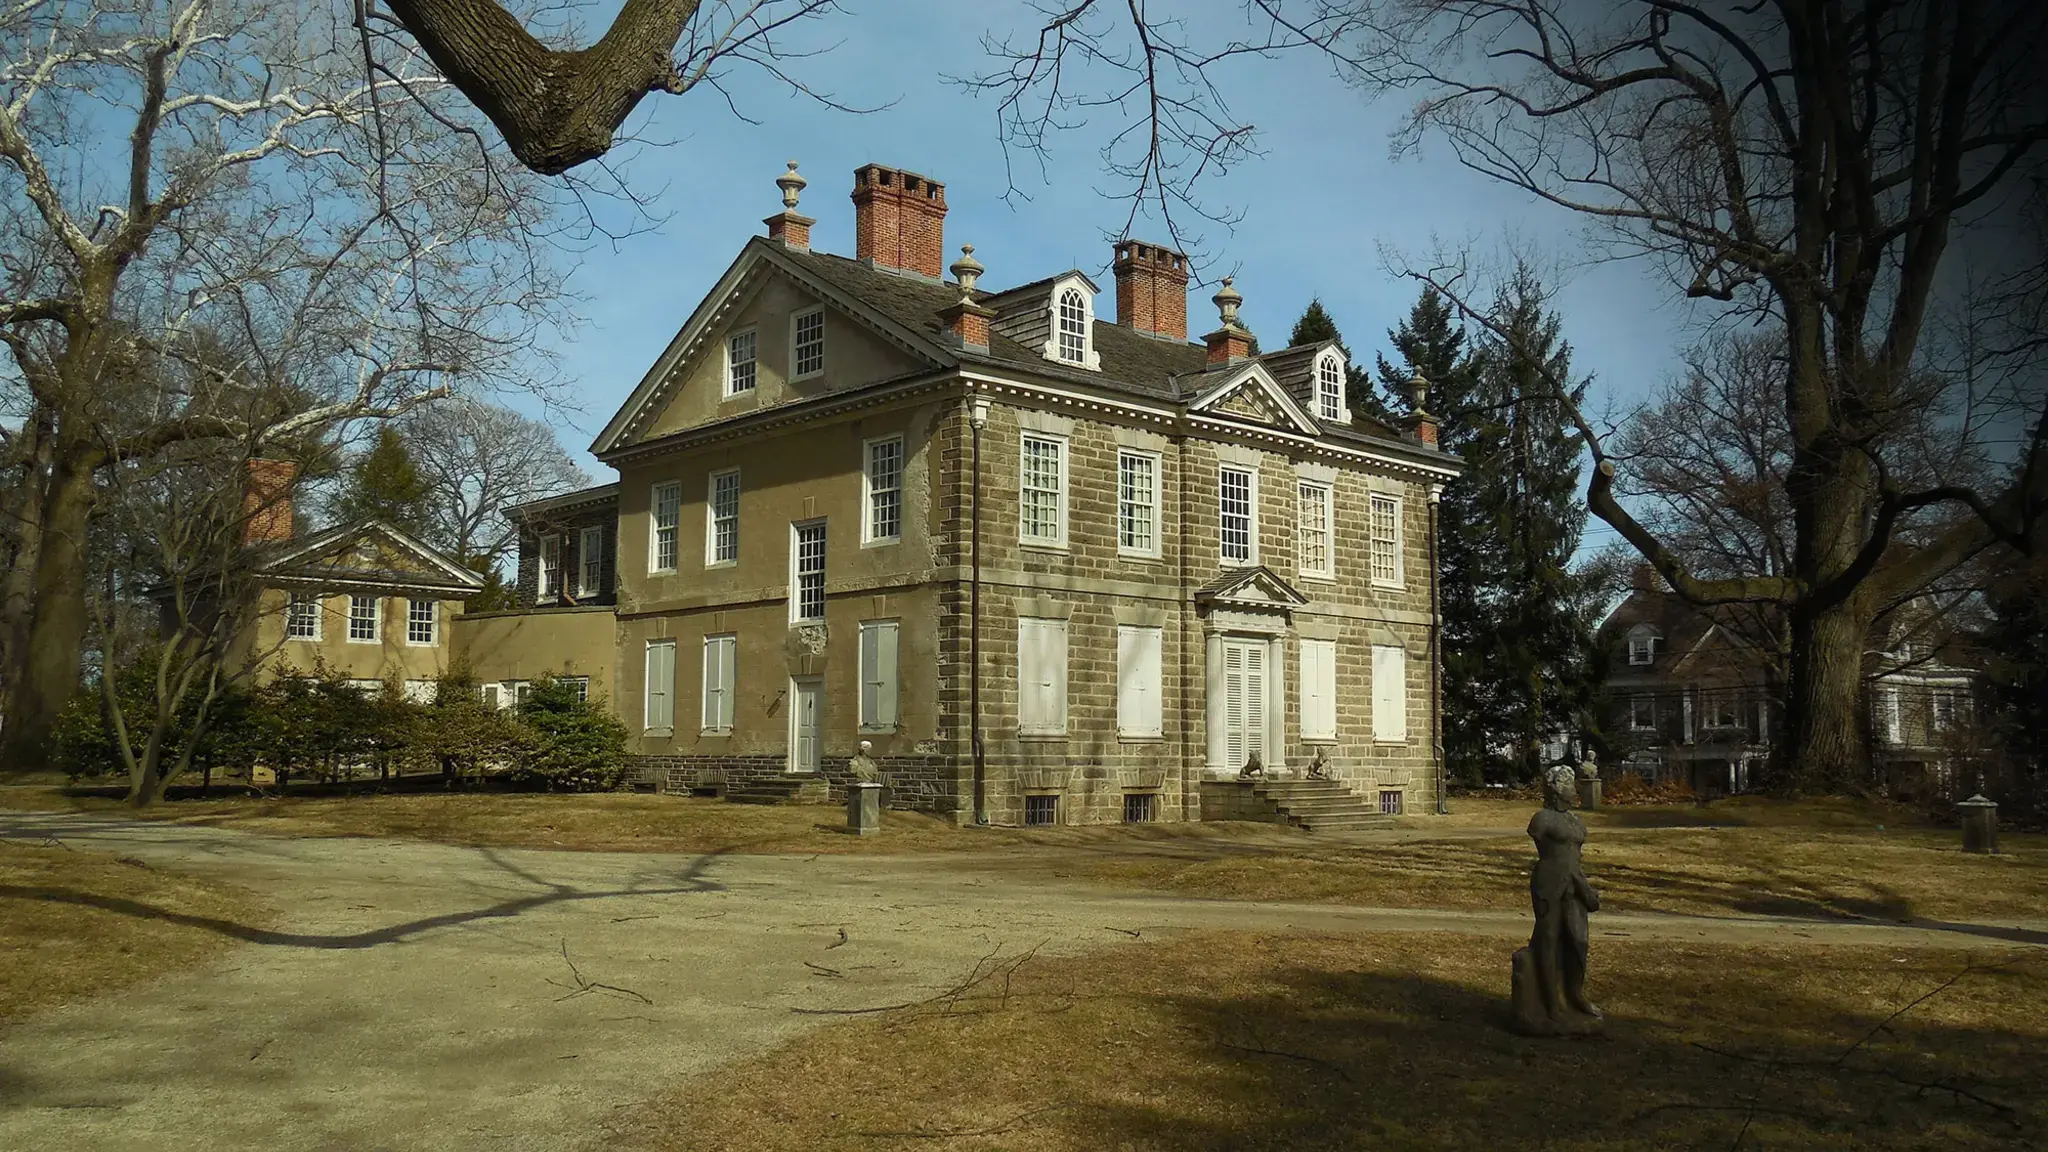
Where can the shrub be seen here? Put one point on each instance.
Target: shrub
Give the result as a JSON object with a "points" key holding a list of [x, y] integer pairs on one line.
{"points": [[1631, 788], [576, 746]]}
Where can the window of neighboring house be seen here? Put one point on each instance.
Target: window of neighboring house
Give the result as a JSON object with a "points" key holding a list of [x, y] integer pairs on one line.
{"points": [[1139, 807], [1139, 668], [1137, 503], [1642, 712], [362, 618], [422, 620], [1073, 326], [550, 567], [1312, 535], [1385, 517], [491, 695], [720, 656], [1642, 648], [666, 514], [1041, 677], [883, 478], [659, 713], [1041, 810], [580, 685], [1318, 689], [418, 691], [1237, 492], [367, 687], [1389, 694], [302, 616], [522, 690], [1043, 512], [722, 517], [1944, 711], [739, 362], [590, 561], [807, 344], [1329, 387], [878, 675], [1888, 714], [807, 572], [1724, 709]]}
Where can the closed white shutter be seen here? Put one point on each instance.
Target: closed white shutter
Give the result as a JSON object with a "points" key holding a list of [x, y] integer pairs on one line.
{"points": [[1233, 705], [878, 674], [719, 659], [1041, 676], [661, 684], [1138, 667], [1319, 689], [1255, 700], [1389, 694]]}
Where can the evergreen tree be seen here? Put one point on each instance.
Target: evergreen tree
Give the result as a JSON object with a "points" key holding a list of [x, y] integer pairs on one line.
{"points": [[1534, 613], [384, 484], [1316, 327]]}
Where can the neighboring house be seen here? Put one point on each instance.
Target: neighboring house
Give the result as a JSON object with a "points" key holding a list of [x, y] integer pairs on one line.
{"points": [[1688, 697], [860, 502]]}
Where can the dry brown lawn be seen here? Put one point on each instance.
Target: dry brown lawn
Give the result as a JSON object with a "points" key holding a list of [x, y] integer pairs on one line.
{"points": [[1399, 1042], [75, 925]]}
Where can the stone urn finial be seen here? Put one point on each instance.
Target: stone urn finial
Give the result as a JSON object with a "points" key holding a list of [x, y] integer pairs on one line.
{"points": [[792, 185], [1418, 392], [967, 270], [1227, 299]]}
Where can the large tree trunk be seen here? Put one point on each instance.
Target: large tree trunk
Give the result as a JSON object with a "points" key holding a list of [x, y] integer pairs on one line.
{"points": [[57, 630], [1824, 749], [22, 508]]}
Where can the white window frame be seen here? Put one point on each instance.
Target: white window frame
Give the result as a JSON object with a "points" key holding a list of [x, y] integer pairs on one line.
{"points": [[720, 675], [870, 490], [1154, 507], [1251, 515], [880, 672], [1060, 502], [1721, 705], [294, 603], [713, 518], [590, 560], [1041, 692], [672, 492], [548, 581], [1636, 705], [1373, 541], [1389, 708], [1058, 345], [797, 528], [580, 683], [1140, 682], [376, 620], [1318, 688], [796, 345], [1642, 649], [1302, 531], [1888, 700], [752, 362], [412, 621], [1329, 404], [666, 695]]}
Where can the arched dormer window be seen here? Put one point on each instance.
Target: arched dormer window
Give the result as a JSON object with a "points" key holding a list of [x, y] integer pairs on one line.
{"points": [[1643, 645], [1071, 320], [1329, 388]]}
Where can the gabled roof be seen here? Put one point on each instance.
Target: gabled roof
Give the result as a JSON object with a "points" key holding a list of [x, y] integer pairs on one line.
{"points": [[1250, 376], [1254, 586], [317, 558], [577, 500]]}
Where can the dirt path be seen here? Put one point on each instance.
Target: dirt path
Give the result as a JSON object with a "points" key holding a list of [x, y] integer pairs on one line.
{"points": [[418, 996]]}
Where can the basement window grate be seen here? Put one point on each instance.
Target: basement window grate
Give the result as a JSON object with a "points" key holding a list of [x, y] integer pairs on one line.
{"points": [[1390, 802], [1041, 809], [1139, 807]]}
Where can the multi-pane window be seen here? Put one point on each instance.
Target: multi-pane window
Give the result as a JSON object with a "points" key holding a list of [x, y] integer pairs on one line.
{"points": [[302, 616], [1329, 388], [667, 515], [362, 617], [1041, 676], [878, 675], [1944, 711], [1235, 489], [421, 620], [1313, 530], [807, 343], [1385, 526], [1041, 809], [884, 482], [720, 654], [1138, 677], [1137, 503], [1642, 712], [1642, 648], [580, 685], [1073, 327], [807, 571], [722, 518], [1389, 694], [590, 561], [1724, 709], [739, 362], [660, 693], [1044, 490], [550, 567]]}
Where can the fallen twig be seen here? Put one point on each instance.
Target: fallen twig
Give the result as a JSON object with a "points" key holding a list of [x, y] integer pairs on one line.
{"points": [[583, 987], [821, 970]]}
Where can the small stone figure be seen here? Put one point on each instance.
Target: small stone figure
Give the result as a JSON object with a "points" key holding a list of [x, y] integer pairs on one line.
{"points": [[1549, 976], [1319, 768], [1254, 768], [863, 766], [1589, 781], [864, 794]]}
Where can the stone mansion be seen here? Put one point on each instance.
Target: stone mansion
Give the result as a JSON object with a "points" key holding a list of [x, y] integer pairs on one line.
{"points": [[1057, 568]]}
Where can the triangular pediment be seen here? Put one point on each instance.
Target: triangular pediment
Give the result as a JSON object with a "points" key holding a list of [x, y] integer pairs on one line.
{"points": [[1252, 396], [371, 554], [1255, 587]]}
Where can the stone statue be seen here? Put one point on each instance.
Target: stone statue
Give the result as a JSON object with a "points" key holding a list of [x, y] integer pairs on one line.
{"points": [[1549, 976], [1319, 768], [863, 766], [1254, 767], [1589, 781], [1589, 766]]}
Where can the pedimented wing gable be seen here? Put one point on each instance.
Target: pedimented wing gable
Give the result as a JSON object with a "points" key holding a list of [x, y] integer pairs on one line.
{"points": [[1252, 396], [372, 555], [1254, 587]]}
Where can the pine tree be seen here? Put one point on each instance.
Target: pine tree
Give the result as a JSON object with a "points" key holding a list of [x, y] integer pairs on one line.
{"points": [[383, 484], [1316, 327]]}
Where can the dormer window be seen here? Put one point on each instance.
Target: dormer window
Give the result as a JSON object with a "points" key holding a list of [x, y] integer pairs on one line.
{"points": [[1072, 321], [1642, 646], [1329, 388]]}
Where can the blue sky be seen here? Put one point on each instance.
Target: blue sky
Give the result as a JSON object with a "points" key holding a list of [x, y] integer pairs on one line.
{"points": [[1317, 206]]}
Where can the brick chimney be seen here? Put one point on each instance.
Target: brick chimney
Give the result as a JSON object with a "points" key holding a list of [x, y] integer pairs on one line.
{"points": [[787, 226], [1232, 341], [1421, 424], [899, 221], [267, 501], [1644, 578], [1151, 289]]}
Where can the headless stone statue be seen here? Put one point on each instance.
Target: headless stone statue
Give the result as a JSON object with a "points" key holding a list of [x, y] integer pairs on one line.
{"points": [[1549, 976]]}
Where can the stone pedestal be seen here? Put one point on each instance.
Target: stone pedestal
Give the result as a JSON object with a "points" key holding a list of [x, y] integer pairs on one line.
{"points": [[1980, 824], [863, 808], [1589, 792], [1531, 1018]]}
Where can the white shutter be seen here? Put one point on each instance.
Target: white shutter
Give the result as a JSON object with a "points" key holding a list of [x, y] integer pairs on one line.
{"points": [[1389, 694], [878, 673], [1255, 700], [1319, 689], [1233, 705], [1041, 676], [1138, 664], [719, 653], [661, 682]]}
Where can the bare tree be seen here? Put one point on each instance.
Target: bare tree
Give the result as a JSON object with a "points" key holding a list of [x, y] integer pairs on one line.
{"points": [[222, 175], [480, 459]]}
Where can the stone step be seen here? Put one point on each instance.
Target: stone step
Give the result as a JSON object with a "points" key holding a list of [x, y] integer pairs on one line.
{"points": [[1350, 821]]}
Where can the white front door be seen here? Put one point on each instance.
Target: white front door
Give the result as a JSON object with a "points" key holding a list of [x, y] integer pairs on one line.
{"points": [[804, 701], [1244, 701]]}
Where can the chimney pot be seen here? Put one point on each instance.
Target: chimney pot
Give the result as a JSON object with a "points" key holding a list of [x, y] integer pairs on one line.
{"points": [[899, 221], [1151, 289]]}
